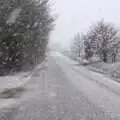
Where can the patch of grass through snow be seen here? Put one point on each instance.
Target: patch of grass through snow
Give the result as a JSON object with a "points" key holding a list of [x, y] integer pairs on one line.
{"points": [[11, 92]]}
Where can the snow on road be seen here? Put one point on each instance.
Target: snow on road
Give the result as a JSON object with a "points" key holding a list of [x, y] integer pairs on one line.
{"points": [[64, 92], [103, 95], [61, 101]]}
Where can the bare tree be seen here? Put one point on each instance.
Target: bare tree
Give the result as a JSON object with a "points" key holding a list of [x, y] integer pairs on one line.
{"points": [[77, 46], [101, 37], [87, 48]]}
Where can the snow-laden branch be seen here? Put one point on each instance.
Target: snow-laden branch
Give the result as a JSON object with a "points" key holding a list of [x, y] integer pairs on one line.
{"points": [[13, 16]]}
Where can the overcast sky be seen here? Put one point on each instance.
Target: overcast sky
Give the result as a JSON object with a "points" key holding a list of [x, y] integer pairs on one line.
{"points": [[77, 15]]}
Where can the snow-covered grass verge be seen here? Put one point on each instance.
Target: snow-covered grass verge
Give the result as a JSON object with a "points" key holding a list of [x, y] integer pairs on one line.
{"points": [[15, 84], [10, 85], [111, 70], [94, 64]]}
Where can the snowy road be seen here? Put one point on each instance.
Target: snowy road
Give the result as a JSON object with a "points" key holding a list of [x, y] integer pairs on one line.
{"points": [[65, 92]]}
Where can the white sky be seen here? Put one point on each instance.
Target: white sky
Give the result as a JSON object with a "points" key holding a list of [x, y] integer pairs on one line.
{"points": [[77, 15]]}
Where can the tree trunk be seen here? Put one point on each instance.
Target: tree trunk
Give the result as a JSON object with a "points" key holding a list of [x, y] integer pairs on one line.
{"points": [[79, 54], [105, 57], [114, 58]]}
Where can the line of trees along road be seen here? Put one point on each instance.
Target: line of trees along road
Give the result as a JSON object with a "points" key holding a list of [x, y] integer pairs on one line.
{"points": [[102, 40], [24, 32]]}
